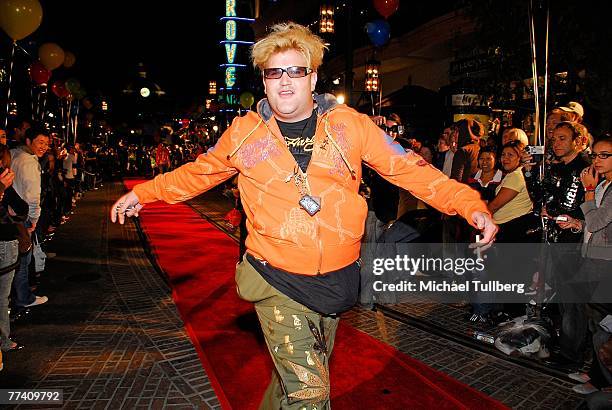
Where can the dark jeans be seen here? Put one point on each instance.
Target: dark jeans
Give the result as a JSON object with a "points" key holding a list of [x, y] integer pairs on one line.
{"points": [[9, 252], [21, 283], [577, 285]]}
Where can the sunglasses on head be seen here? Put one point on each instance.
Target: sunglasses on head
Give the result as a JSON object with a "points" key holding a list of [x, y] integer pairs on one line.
{"points": [[292, 72]]}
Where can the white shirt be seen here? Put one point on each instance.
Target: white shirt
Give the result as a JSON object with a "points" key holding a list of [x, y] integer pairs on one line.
{"points": [[27, 180], [496, 178], [600, 190], [448, 163], [67, 164]]}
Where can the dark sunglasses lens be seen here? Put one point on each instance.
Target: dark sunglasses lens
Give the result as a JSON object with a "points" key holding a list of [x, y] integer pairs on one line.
{"points": [[296, 72], [273, 72]]}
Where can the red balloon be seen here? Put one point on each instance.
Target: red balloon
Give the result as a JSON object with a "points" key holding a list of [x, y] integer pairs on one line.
{"points": [[39, 73], [59, 88], [386, 7]]}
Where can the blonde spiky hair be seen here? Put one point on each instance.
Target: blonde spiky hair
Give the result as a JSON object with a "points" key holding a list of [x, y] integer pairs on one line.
{"points": [[289, 36]]}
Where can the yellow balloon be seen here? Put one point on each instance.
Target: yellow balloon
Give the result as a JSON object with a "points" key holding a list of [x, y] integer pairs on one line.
{"points": [[69, 59], [51, 55], [20, 18]]}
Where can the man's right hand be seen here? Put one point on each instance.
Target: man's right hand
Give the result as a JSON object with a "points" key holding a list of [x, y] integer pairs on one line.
{"points": [[119, 210]]}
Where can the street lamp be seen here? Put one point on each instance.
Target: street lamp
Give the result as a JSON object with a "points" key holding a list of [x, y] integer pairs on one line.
{"points": [[326, 19], [372, 75], [340, 98]]}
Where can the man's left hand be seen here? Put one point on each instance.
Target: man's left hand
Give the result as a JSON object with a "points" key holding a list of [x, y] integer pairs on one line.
{"points": [[484, 222]]}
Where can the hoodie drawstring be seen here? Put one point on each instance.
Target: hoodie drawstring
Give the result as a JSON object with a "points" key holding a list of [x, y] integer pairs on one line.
{"points": [[335, 144], [244, 139]]}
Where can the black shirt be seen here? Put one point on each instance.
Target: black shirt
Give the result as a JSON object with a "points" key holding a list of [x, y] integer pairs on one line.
{"points": [[299, 137], [8, 230], [330, 293], [563, 195]]}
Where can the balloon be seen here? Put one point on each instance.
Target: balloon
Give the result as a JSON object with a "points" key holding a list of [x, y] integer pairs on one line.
{"points": [[69, 59], [79, 93], [379, 32], [247, 99], [386, 7], [51, 55], [39, 73], [72, 85], [87, 104], [20, 18], [59, 89]]}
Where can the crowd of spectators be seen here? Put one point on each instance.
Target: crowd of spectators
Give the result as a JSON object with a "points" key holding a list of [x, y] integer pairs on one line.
{"points": [[559, 198]]}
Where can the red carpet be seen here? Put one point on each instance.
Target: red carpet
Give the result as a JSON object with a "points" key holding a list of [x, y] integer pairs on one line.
{"points": [[365, 373]]}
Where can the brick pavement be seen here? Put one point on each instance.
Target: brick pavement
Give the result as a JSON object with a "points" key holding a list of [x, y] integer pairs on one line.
{"points": [[132, 352]]}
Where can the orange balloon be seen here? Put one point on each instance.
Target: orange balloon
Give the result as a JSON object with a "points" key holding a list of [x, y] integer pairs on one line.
{"points": [[69, 59], [51, 55], [20, 18]]}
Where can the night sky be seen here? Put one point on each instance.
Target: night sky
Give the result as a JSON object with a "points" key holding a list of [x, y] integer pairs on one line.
{"points": [[177, 42]]}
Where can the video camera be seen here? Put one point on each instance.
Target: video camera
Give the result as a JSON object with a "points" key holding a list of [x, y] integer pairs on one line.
{"points": [[536, 151]]}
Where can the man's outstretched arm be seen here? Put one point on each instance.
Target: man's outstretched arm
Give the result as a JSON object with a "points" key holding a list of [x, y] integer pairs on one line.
{"points": [[413, 173], [185, 182]]}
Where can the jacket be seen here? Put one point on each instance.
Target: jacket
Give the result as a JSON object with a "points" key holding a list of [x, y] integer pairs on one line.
{"points": [[279, 230], [598, 221], [8, 222], [465, 162], [27, 181]]}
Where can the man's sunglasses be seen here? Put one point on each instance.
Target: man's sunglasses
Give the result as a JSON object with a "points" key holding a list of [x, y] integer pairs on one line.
{"points": [[293, 72], [601, 155]]}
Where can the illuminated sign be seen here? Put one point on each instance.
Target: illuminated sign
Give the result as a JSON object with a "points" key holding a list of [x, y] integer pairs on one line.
{"points": [[230, 52], [230, 30], [231, 43], [230, 77], [230, 8]]}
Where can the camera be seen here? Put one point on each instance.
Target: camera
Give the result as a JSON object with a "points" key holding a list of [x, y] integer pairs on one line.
{"points": [[534, 149]]}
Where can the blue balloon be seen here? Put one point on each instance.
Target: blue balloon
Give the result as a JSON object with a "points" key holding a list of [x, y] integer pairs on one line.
{"points": [[379, 32]]}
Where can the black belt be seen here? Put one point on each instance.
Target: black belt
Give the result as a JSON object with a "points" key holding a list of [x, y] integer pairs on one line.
{"points": [[7, 269]]}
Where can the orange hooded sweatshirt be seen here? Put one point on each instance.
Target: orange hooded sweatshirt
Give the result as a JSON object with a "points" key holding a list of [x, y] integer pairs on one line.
{"points": [[279, 230]]}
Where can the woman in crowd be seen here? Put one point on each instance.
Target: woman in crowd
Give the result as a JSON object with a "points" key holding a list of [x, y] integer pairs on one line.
{"points": [[485, 181], [594, 277], [512, 208], [488, 177], [514, 134]]}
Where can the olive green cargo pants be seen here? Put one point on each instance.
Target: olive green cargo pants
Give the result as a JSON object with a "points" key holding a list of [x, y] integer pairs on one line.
{"points": [[299, 340]]}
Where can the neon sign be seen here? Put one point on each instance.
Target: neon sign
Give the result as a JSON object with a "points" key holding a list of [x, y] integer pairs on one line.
{"points": [[231, 43]]}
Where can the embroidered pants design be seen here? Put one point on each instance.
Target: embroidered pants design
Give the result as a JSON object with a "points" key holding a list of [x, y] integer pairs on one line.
{"points": [[300, 342]]}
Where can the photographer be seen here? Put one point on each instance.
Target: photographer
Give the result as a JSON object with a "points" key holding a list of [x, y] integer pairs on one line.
{"points": [[561, 194], [560, 190]]}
